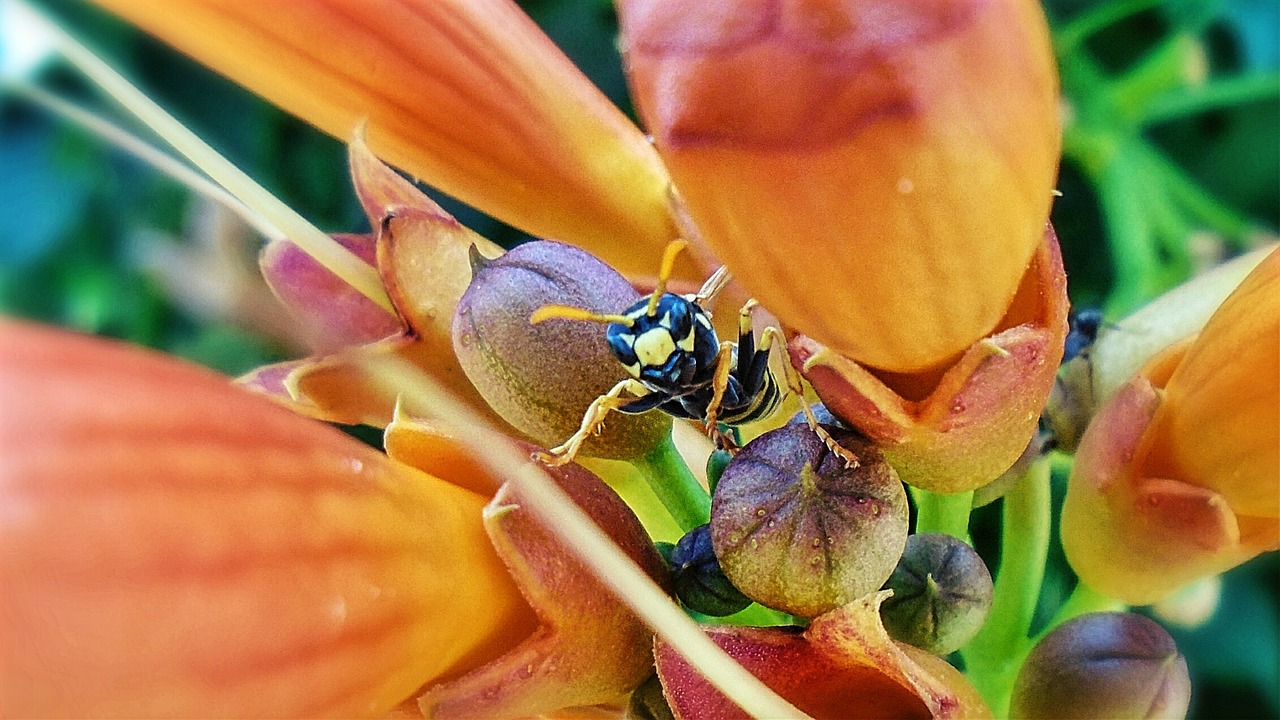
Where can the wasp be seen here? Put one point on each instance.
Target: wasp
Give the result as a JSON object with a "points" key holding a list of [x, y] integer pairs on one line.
{"points": [[677, 363]]}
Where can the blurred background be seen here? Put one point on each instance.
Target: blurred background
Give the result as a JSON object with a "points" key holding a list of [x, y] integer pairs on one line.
{"points": [[1172, 162]]}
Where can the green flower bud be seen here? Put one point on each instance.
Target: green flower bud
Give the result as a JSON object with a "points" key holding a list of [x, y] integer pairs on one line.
{"points": [[541, 378], [1112, 665], [941, 594], [699, 581], [798, 530], [717, 461]]}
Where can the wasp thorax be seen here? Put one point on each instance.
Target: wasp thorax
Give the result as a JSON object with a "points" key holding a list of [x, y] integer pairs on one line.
{"points": [[797, 529], [541, 377]]}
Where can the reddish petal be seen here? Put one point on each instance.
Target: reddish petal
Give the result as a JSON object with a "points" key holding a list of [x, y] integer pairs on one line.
{"points": [[962, 430], [331, 314], [589, 648], [844, 665]]}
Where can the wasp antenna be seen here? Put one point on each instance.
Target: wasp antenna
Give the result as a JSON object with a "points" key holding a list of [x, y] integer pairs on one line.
{"points": [[668, 262], [552, 312]]}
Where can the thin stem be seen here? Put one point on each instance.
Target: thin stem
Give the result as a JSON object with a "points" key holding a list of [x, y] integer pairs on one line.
{"points": [[1160, 71], [995, 654], [1083, 600], [118, 137], [333, 256], [1194, 198], [1133, 247], [1069, 36], [676, 487], [938, 513], [1212, 96]]}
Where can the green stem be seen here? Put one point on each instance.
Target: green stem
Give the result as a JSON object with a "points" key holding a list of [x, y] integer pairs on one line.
{"points": [[1133, 247], [676, 487], [1102, 16], [1083, 600], [1208, 209], [1159, 72], [938, 513], [1212, 96], [993, 657]]}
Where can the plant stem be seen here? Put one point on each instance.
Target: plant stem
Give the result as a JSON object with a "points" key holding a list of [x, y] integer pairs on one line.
{"points": [[1212, 96], [995, 654], [1194, 198], [676, 487], [1079, 28], [1083, 600], [940, 513]]}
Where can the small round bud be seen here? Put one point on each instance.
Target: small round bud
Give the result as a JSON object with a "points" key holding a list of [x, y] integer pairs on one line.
{"points": [[717, 461], [700, 583], [797, 529], [1113, 665], [941, 594], [541, 378]]}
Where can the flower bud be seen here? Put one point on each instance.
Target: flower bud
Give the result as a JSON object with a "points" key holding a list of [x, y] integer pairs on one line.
{"points": [[717, 461], [1177, 477], [541, 378], [699, 581], [876, 173], [1114, 665], [798, 530], [941, 594]]}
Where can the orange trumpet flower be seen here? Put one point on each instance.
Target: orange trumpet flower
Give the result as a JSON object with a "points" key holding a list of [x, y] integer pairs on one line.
{"points": [[1178, 475], [469, 96]]}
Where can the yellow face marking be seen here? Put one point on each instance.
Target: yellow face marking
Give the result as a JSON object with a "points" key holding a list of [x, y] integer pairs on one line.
{"points": [[654, 347], [686, 344]]}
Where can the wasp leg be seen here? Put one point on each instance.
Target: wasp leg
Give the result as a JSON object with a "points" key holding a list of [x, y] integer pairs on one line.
{"points": [[592, 421], [796, 384], [724, 368]]}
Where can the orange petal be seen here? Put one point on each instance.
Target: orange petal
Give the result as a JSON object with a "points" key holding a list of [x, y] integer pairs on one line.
{"points": [[340, 387], [176, 547], [589, 648], [421, 444], [1133, 536], [1219, 424], [972, 423], [844, 665], [469, 96], [877, 173]]}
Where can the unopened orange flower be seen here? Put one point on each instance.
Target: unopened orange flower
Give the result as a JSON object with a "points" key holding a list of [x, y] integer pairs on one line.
{"points": [[1178, 475], [877, 173]]}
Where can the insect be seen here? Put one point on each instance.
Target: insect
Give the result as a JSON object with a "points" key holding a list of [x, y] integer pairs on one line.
{"points": [[1084, 326], [677, 363]]}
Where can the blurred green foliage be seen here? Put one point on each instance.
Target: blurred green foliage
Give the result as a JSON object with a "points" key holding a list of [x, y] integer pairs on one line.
{"points": [[1172, 159]]}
